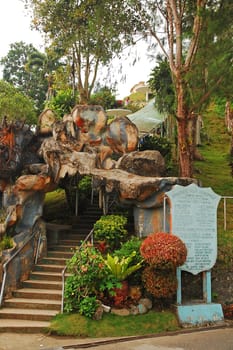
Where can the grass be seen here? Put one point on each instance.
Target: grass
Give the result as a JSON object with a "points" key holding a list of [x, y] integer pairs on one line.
{"points": [[113, 325], [214, 172]]}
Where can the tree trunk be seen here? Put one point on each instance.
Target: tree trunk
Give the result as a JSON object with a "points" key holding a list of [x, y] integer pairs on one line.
{"points": [[186, 129], [185, 146]]}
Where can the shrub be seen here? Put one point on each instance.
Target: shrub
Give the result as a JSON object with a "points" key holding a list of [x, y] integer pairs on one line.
{"points": [[158, 283], [111, 229], [126, 249], [161, 144], [6, 242], [90, 277], [163, 250], [120, 268], [88, 306]]}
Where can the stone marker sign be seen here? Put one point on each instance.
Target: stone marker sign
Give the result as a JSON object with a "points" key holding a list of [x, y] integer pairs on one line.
{"points": [[194, 220]]}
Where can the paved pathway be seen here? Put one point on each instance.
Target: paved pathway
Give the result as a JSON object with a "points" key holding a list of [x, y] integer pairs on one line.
{"points": [[213, 339]]}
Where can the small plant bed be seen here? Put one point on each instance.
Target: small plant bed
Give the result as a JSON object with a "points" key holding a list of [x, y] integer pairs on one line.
{"points": [[124, 281]]}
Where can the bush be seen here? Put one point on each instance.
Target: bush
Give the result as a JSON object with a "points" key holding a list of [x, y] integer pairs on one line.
{"points": [[127, 248], [6, 242], [158, 283], [90, 277], [161, 144], [163, 250], [111, 229]]}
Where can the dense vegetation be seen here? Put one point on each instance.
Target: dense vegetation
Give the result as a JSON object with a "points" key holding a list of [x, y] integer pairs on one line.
{"points": [[215, 172]]}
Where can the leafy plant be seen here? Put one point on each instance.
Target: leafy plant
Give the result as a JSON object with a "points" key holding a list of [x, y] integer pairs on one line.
{"points": [[120, 267], [161, 144], [126, 249], [7, 242], [90, 277], [111, 229], [88, 306], [3, 215]]}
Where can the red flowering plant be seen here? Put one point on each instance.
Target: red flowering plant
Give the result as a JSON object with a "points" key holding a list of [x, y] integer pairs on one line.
{"points": [[159, 284], [163, 250]]}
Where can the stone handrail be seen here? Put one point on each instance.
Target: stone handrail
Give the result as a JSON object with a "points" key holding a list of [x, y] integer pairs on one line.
{"points": [[5, 265]]}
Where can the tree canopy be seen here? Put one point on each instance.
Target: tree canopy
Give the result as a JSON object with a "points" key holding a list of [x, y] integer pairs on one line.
{"points": [[196, 39], [86, 33], [15, 105]]}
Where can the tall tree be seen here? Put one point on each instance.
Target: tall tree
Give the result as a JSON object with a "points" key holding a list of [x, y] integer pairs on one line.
{"points": [[88, 33], [192, 36], [15, 105], [24, 67]]}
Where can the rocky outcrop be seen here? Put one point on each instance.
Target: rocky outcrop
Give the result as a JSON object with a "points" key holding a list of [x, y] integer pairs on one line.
{"points": [[144, 163]]}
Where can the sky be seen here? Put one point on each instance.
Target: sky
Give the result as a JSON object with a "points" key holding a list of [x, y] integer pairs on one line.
{"points": [[15, 26]]}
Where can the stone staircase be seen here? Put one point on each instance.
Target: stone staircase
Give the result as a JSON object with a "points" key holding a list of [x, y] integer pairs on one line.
{"points": [[32, 306]]}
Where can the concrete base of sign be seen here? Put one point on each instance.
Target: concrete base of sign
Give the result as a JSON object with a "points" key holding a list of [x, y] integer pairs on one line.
{"points": [[199, 314]]}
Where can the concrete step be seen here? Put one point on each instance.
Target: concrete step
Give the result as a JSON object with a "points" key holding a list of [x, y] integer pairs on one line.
{"points": [[53, 261], [27, 314], [37, 293], [39, 284], [73, 235], [49, 268], [45, 276], [22, 326], [25, 303], [62, 255], [63, 248], [75, 242]]}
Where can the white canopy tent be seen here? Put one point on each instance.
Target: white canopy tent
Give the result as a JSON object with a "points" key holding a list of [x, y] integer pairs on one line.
{"points": [[147, 119]]}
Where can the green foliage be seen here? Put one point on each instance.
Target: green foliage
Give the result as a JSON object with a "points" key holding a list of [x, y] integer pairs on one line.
{"points": [[88, 306], [161, 144], [97, 31], [85, 185], [24, 67], [111, 229], [161, 84], [120, 267], [15, 105], [6, 242], [104, 98], [128, 247], [62, 102], [90, 277], [219, 106], [84, 191]]}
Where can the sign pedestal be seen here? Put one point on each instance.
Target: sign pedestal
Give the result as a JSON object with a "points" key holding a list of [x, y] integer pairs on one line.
{"points": [[194, 220], [198, 313]]}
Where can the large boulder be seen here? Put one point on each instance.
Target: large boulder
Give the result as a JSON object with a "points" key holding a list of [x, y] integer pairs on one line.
{"points": [[143, 163]]}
